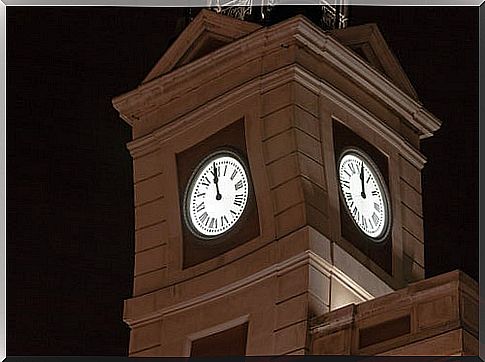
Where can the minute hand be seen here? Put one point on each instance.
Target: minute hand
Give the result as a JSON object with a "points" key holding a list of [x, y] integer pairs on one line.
{"points": [[362, 180], [216, 181]]}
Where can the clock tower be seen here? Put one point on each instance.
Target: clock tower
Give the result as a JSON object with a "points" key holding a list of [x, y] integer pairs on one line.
{"points": [[277, 187]]}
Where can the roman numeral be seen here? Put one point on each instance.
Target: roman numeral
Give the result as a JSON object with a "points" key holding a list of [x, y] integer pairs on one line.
{"points": [[375, 218], [345, 183], [368, 179], [354, 211], [364, 221], [238, 200], [200, 207], [203, 217], [349, 196], [375, 192], [233, 174], [238, 185], [348, 174], [205, 183], [211, 224], [352, 167], [223, 218], [225, 169], [201, 194], [377, 207], [233, 212]]}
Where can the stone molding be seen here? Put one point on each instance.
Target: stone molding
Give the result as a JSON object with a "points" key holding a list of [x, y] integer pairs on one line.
{"points": [[307, 257], [294, 72], [298, 30], [435, 306]]}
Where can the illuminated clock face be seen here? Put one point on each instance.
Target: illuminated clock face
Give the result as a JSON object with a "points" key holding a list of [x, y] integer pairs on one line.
{"points": [[217, 195], [364, 193]]}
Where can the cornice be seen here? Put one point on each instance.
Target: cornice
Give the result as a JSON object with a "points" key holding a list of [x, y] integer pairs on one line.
{"points": [[263, 84], [256, 45], [305, 258]]}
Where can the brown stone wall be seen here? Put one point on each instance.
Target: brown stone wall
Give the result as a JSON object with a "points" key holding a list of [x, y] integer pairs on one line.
{"points": [[422, 319], [284, 83], [150, 223]]}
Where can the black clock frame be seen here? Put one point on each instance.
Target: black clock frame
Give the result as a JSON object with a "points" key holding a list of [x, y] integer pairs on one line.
{"points": [[387, 202], [208, 240], [380, 253], [196, 250]]}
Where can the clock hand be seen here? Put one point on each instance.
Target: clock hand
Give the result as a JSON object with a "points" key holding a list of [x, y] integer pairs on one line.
{"points": [[216, 180], [362, 179]]}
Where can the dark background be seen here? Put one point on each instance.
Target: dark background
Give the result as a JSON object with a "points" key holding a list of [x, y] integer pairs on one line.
{"points": [[70, 245]]}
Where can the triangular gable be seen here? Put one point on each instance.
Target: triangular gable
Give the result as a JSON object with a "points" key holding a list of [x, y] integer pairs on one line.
{"points": [[206, 33], [368, 42]]}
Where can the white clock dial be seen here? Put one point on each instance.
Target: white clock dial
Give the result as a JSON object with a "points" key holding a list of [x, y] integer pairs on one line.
{"points": [[217, 195], [364, 194]]}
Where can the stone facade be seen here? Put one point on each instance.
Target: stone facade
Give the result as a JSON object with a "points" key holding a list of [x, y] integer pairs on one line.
{"points": [[288, 83], [437, 316]]}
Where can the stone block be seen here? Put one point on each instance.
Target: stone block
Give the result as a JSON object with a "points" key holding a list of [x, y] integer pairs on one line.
{"points": [[292, 283], [410, 174], [278, 58], [277, 122], [147, 166], [150, 281], [279, 146], [436, 312], [291, 338], [411, 198], [306, 122], [309, 146], [315, 195], [412, 271], [297, 352], [290, 220], [291, 311], [148, 189], [151, 236], [141, 305], [319, 285], [305, 98], [150, 260], [445, 344], [283, 170], [150, 214], [337, 343], [287, 194], [313, 170], [413, 247], [412, 222], [150, 352], [144, 337], [342, 296], [470, 344], [276, 99]]}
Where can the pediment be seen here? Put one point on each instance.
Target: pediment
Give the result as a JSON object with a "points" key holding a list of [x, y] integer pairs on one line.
{"points": [[208, 32], [368, 42]]}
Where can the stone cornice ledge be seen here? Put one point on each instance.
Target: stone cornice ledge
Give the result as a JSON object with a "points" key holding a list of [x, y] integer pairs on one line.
{"points": [[258, 44], [263, 84], [305, 258]]}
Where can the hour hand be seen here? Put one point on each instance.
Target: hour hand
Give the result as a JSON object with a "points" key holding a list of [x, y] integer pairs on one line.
{"points": [[214, 172], [216, 181]]}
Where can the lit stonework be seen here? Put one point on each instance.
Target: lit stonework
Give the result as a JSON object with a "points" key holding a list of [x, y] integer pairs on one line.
{"points": [[287, 98]]}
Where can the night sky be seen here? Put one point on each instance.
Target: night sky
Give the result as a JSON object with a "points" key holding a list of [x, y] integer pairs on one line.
{"points": [[70, 239]]}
